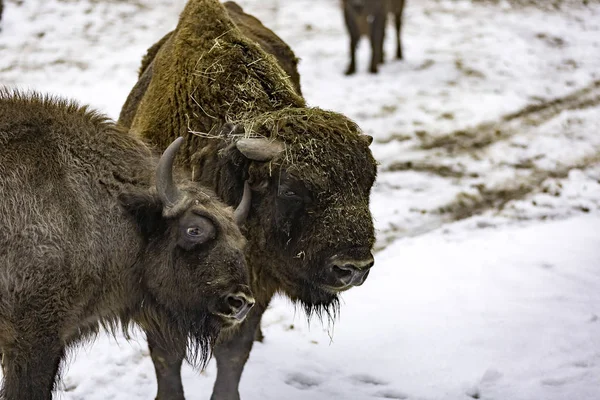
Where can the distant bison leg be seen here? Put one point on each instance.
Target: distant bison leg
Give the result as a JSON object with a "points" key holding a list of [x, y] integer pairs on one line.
{"points": [[30, 372], [167, 364], [354, 32], [398, 20], [232, 354], [377, 37]]}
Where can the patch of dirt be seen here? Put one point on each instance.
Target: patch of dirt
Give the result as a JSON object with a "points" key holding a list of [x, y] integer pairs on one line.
{"points": [[511, 124]]}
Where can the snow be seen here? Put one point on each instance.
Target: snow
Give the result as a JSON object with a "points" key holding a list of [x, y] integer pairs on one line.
{"points": [[487, 275]]}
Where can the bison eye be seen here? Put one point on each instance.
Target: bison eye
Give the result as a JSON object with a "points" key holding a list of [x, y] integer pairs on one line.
{"points": [[196, 229], [193, 232], [288, 194]]}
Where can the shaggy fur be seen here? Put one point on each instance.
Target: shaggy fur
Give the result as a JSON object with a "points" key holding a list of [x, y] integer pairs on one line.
{"points": [[250, 27], [86, 243], [369, 18], [211, 84]]}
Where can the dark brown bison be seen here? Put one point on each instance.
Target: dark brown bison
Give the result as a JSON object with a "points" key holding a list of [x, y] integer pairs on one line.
{"points": [[369, 18], [91, 239], [309, 229]]}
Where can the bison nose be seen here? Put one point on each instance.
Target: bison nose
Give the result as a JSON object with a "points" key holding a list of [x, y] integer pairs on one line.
{"points": [[239, 305], [351, 272]]}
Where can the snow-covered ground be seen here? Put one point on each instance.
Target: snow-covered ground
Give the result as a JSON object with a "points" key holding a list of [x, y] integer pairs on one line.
{"points": [[487, 276]]}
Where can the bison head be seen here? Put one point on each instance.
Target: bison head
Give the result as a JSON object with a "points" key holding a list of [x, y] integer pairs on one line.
{"points": [[193, 266], [310, 226]]}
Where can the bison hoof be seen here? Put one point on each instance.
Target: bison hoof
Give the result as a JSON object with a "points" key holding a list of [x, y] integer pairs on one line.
{"points": [[232, 396], [350, 70]]}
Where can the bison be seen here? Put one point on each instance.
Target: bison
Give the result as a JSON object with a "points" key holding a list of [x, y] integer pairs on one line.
{"points": [[91, 239], [310, 231], [369, 18]]}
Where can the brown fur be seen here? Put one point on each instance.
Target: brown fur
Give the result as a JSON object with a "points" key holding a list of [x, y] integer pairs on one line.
{"points": [[250, 26], [357, 14], [86, 242], [208, 74]]}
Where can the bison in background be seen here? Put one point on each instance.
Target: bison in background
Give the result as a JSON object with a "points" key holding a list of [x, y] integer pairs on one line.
{"points": [[91, 239], [309, 229], [369, 18]]}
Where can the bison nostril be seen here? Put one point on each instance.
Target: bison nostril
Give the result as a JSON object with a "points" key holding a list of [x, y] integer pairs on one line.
{"points": [[343, 273], [239, 306], [236, 302]]}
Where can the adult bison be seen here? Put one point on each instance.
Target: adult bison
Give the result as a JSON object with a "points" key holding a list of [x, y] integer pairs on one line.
{"points": [[309, 230], [89, 240], [369, 18]]}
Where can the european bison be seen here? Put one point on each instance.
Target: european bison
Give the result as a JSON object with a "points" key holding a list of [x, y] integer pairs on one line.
{"points": [[88, 240], [369, 18], [309, 230]]}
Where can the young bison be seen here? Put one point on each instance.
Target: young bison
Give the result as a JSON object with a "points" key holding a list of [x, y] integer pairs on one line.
{"points": [[309, 230], [88, 241], [369, 18]]}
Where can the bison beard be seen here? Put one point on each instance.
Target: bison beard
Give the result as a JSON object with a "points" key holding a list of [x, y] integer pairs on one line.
{"points": [[197, 331]]}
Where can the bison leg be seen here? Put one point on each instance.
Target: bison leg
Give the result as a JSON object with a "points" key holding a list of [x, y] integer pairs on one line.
{"points": [[167, 364], [398, 19], [30, 372], [232, 354], [377, 37], [354, 32]]}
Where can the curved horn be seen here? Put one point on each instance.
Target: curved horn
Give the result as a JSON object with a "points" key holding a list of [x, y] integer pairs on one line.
{"points": [[167, 191], [242, 210], [259, 149]]}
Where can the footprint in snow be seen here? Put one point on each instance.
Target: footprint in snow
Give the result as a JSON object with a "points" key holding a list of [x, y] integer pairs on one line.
{"points": [[302, 381], [391, 394], [364, 379]]}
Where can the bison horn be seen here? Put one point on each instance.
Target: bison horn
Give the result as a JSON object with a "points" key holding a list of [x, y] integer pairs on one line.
{"points": [[242, 210], [167, 191], [259, 149]]}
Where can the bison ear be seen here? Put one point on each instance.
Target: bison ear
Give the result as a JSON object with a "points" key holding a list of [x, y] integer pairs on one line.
{"points": [[368, 139], [260, 149], [144, 208]]}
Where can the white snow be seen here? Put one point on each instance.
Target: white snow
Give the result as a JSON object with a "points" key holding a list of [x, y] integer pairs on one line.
{"points": [[502, 305]]}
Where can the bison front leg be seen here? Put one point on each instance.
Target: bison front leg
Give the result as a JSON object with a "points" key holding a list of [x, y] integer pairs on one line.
{"points": [[30, 372], [232, 354], [167, 365], [398, 20], [377, 38], [354, 33]]}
